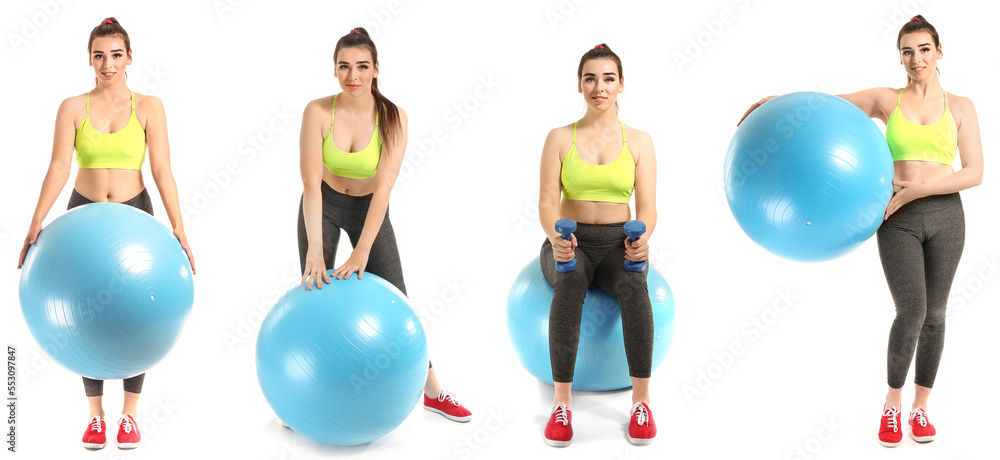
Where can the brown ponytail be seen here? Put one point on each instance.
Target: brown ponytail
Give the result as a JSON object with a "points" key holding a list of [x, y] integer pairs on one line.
{"points": [[389, 126]]}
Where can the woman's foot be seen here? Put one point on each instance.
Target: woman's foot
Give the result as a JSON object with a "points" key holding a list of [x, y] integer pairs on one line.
{"points": [[446, 405], [921, 430], [96, 435], [128, 432], [641, 427], [889, 434], [559, 430]]}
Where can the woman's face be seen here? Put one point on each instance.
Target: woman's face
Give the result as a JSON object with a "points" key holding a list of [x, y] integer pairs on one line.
{"points": [[918, 55], [109, 57], [355, 70], [600, 83]]}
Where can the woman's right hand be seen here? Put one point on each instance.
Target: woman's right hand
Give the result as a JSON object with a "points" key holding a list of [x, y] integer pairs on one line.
{"points": [[562, 249], [315, 272], [28, 241], [754, 106]]}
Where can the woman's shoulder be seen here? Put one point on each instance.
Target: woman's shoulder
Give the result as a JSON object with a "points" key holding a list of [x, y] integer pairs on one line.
{"points": [[144, 102], [324, 103], [637, 136], [74, 104], [960, 102], [560, 134]]}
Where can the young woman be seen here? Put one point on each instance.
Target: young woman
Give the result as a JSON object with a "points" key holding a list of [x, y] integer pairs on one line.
{"points": [[110, 128], [921, 240], [595, 164], [352, 146]]}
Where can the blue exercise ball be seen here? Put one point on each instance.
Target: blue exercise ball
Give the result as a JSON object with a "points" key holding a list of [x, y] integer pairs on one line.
{"points": [[600, 359], [808, 176], [105, 290], [343, 364]]}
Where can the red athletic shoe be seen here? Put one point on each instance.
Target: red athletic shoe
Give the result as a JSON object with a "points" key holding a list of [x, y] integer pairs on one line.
{"points": [[641, 427], [889, 434], [95, 436], [920, 429], [446, 405], [128, 433], [559, 431]]}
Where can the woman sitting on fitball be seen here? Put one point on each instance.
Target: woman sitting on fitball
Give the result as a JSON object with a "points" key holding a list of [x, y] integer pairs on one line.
{"points": [[595, 164], [921, 240], [110, 128]]}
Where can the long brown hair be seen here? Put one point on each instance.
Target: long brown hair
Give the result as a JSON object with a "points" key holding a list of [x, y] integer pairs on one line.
{"points": [[108, 27], [917, 24], [389, 126]]}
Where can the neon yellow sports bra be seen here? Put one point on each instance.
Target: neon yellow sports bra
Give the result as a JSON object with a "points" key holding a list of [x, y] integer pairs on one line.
{"points": [[125, 149], [612, 182], [936, 142], [352, 165]]}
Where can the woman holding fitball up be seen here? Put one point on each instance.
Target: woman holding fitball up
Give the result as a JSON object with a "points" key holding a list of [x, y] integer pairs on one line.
{"points": [[348, 188], [921, 240], [110, 128], [595, 165]]}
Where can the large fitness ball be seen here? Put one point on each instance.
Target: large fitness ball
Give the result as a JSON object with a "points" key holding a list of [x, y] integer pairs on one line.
{"points": [[808, 176], [105, 290], [343, 364], [600, 359]]}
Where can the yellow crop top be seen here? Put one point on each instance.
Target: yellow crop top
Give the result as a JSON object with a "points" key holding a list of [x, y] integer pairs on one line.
{"points": [[612, 182], [352, 165], [936, 142], [125, 149]]}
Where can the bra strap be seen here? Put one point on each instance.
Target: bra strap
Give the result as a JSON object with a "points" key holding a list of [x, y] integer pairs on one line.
{"points": [[333, 109], [623, 134], [86, 111], [900, 98], [574, 133], [946, 100], [133, 102]]}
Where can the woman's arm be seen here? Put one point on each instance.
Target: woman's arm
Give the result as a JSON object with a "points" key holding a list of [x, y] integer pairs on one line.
{"points": [[871, 101], [645, 195], [159, 164], [58, 172], [311, 169], [550, 196], [385, 177]]}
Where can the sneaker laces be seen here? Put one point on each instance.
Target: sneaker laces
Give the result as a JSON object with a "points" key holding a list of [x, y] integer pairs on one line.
{"points": [[640, 413], [892, 412], [561, 415], [920, 416], [95, 424], [126, 423], [446, 395]]}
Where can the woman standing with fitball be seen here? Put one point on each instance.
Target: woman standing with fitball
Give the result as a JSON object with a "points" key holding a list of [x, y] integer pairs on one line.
{"points": [[595, 164], [110, 128], [921, 240]]}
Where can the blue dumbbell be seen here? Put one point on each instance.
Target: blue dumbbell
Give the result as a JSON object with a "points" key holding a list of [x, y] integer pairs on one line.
{"points": [[633, 230], [565, 227]]}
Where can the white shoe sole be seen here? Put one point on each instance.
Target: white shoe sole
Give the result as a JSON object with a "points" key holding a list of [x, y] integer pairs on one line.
{"points": [[447, 415], [888, 444], [640, 441], [93, 445], [128, 445], [557, 443], [922, 438]]}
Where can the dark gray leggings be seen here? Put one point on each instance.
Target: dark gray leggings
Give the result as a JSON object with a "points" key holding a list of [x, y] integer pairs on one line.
{"points": [[132, 384], [920, 246], [600, 255]]}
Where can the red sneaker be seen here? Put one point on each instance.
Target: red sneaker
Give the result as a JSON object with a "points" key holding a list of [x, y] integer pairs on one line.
{"points": [[889, 434], [641, 427], [559, 431], [95, 437], [920, 429], [128, 433], [446, 405]]}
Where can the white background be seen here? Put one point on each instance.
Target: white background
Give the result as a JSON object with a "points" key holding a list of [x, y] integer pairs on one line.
{"points": [[811, 377]]}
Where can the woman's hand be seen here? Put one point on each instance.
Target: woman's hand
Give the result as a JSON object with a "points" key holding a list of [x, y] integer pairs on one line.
{"points": [[315, 271], [182, 238], [906, 191], [355, 263], [28, 241], [638, 250], [562, 249], [753, 107]]}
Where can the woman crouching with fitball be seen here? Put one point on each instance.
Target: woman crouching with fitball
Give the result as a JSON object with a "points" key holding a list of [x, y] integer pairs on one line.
{"points": [[110, 128], [921, 240], [595, 164]]}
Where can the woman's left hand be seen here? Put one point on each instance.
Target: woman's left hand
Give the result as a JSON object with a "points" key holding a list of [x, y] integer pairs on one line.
{"points": [[355, 263], [637, 250], [182, 238], [906, 191]]}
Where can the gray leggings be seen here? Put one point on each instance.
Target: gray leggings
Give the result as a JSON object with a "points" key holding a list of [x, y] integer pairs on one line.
{"points": [[600, 255], [132, 384], [920, 246]]}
